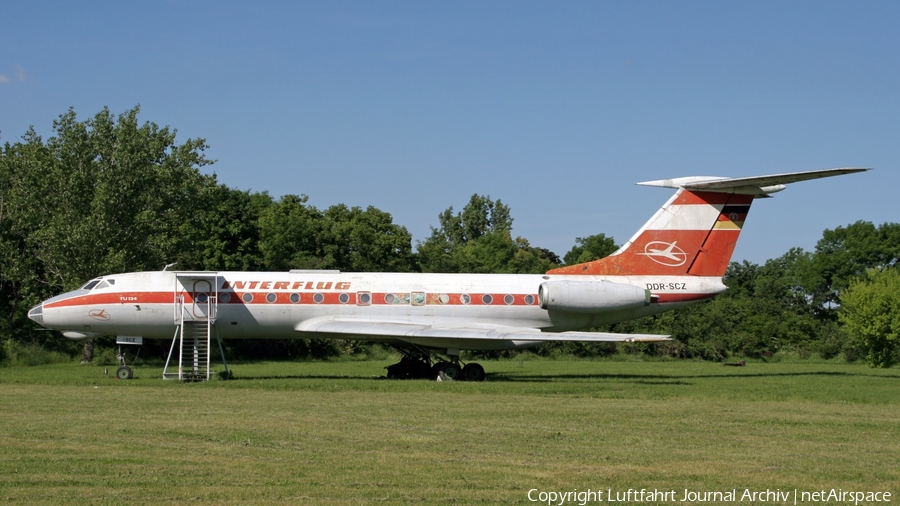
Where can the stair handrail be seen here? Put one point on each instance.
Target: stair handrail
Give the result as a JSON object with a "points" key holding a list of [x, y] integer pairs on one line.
{"points": [[178, 309]]}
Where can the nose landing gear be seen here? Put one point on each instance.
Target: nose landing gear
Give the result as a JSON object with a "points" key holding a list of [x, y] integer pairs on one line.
{"points": [[123, 372]]}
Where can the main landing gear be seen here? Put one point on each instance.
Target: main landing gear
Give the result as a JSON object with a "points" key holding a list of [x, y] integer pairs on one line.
{"points": [[419, 364]]}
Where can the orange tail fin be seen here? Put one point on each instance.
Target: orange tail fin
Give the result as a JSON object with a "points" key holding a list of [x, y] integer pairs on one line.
{"points": [[696, 231], [693, 234]]}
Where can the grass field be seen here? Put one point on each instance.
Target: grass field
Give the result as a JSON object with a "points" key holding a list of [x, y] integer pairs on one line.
{"points": [[328, 433]]}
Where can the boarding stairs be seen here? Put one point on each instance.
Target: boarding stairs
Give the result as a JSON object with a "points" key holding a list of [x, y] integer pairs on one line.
{"points": [[195, 309]]}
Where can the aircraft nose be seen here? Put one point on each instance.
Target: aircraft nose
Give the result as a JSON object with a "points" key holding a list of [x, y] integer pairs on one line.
{"points": [[37, 313]]}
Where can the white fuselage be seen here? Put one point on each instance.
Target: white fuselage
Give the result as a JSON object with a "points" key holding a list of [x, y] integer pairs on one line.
{"points": [[282, 304]]}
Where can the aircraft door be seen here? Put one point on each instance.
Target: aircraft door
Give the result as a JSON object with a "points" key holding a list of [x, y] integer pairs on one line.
{"points": [[202, 306]]}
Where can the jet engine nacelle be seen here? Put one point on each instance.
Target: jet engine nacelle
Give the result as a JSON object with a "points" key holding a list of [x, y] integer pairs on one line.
{"points": [[591, 296]]}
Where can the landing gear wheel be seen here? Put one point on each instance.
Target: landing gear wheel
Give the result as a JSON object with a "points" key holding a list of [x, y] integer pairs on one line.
{"points": [[409, 368], [473, 372], [451, 371], [124, 373]]}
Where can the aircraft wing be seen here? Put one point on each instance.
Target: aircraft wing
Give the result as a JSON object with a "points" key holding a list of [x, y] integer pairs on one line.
{"points": [[418, 333]]}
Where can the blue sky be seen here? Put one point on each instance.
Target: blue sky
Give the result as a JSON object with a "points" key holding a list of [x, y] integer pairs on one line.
{"points": [[555, 108]]}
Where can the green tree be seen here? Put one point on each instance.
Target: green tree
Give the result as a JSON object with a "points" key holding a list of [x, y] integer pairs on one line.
{"points": [[844, 254], [478, 240], [481, 216], [764, 310], [290, 233], [100, 196], [870, 312], [223, 230], [367, 240], [295, 235], [590, 248]]}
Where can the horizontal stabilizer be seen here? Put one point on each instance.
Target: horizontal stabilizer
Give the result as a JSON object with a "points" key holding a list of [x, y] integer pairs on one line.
{"points": [[758, 186]]}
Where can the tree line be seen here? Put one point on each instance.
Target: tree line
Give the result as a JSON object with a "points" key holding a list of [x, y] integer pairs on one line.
{"points": [[110, 194]]}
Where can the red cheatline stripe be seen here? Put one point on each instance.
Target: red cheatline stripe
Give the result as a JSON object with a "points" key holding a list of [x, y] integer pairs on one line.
{"points": [[328, 298], [662, 298], [700, 198], [114, 298], [688, 197]]}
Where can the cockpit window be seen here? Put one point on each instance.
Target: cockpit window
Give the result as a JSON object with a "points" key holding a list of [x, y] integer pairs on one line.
{"points": [[90, 284], [103, 284], [111, 281]]}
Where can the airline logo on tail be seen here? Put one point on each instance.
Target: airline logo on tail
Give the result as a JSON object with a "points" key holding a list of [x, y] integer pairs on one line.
{"points": [[671, 256]]}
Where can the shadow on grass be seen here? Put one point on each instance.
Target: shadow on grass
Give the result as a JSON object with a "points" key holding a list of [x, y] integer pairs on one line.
{"points": [[673, 379], [646, 379], [306, 377]]}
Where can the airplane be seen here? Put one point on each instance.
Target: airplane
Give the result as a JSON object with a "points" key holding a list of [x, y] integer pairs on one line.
{"points": [[676, 259]]}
